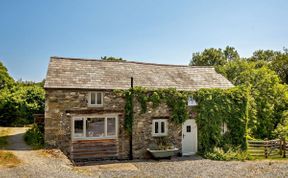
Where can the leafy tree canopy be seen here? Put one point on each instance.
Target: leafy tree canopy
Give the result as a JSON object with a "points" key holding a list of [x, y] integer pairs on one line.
{"points": [[264, 55], [214, 57], [19, 100], [105, 58], [5, 78], [231, 53], [19, 103], [277, 61], [280, 66], [263, 73], [209, 57], [268, 94]]}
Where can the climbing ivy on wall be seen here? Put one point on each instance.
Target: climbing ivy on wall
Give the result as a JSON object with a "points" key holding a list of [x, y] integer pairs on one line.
{"points": [[128, 111], [175, 100], [215, 106]]}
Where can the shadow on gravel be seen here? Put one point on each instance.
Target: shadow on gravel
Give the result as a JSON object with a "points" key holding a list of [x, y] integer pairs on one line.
{"points": [[16, 142], [105, 162]]}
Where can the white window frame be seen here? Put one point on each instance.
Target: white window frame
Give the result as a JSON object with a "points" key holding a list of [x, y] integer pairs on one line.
{"points": [[96, 95], [191, 101], [159, 127], [85, 137]]}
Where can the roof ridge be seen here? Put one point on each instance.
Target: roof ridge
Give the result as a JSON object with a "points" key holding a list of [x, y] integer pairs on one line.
{"points": [[133, 62]]}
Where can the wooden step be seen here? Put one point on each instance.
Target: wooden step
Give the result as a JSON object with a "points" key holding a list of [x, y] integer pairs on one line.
{"points": [[89, 156], [95, 149], [94, 152]]}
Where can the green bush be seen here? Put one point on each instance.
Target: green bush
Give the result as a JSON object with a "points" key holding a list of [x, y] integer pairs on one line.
{"points": [[35, 136], [18, 122], [281, 130], [231, 154]]}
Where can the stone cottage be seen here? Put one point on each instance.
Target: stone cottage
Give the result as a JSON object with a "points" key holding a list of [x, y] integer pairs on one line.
{"points": [[85, 118]]}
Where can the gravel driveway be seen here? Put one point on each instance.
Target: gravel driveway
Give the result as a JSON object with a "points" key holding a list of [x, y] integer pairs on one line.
{"points": [[52, 163]]}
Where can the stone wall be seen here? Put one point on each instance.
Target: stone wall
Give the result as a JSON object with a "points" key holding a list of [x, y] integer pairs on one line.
{"points": [[142, 129], [62, 105]]}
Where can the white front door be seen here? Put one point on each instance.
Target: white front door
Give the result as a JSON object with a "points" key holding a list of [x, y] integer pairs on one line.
{"points": [[189, 137]]}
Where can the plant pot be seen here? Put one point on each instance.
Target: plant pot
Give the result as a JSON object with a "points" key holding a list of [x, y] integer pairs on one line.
{"points": [[162, 153]]}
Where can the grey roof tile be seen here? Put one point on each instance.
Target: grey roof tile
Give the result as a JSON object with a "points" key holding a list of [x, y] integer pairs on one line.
{"points": [[98, 74]]}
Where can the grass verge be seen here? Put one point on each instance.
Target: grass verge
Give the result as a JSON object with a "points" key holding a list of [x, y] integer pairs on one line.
{"points": [[8, 159]]}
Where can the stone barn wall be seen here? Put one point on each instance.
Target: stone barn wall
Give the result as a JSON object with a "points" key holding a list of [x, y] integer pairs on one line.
{"points": [[142, 129], [62, 105]]}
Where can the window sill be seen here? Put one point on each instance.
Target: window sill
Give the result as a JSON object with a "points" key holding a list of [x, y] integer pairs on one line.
{"points": [[159, 135], [94, 138], [95, 106]]}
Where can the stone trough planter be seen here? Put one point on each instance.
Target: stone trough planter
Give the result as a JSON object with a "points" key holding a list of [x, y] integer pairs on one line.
{"points": [[168, 153]]}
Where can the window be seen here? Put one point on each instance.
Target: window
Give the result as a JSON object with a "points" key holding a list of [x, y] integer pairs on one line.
{"points": [[159, 127], [95, 99], [188, 128], [94, 127], [191, 101], [78, 127]]}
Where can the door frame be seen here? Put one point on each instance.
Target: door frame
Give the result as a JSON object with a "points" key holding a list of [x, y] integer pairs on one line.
{"points": [[196, 136]]}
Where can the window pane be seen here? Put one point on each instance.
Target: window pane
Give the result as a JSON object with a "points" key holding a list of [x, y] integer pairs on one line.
{"points": [[99, 98], [156, 127], [78, 127], [95, 127], [111, 126], [93, 96], [188, 128], [156, 130], [162, 127]]}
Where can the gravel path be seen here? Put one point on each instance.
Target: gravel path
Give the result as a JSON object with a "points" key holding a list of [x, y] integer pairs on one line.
{"points": [[205, 168], [37, 163], [52, 163]]}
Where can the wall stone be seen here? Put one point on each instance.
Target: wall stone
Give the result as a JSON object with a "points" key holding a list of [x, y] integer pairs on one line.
{"points": [[142, 129], [62, 105]]}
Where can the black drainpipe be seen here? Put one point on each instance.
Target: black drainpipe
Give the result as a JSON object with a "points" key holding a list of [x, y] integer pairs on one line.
{"points": [[131, 137]]}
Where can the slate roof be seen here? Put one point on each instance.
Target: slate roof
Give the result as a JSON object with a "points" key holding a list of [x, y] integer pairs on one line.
{"points": [[74, 73]]}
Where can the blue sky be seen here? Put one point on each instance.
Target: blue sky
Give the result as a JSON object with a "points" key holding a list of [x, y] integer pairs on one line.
{"points": [[151, 31]]}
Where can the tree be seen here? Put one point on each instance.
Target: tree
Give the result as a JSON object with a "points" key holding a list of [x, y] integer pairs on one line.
{"points": [[280, 66], [19, 100], [5, 78], [209, 57], [263, 83], [214, 57], [231, 53], [264, 55], [19, 103], [105, 58], [281, 130], [268, 95], [277, 60], [233, 69]]}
